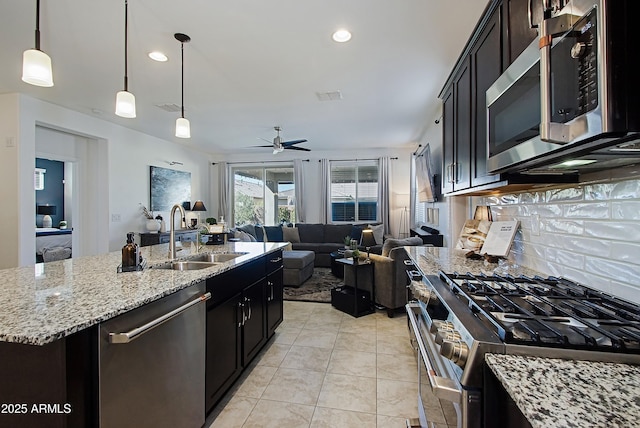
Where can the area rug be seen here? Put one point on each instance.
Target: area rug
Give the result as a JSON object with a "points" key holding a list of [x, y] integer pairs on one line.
{"points": [[315, 289]]}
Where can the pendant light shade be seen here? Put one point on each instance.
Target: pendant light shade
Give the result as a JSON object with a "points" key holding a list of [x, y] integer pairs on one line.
{"points": [[125, 104], [183, 128], [36, 65], [125, 100]]}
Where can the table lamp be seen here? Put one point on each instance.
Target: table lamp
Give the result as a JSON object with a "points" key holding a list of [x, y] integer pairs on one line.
{"points": [[198, 206], [46, 211], [367, 240]]}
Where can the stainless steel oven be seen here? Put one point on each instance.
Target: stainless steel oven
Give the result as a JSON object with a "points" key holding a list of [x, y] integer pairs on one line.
{"points": [[570, 94], [457, 318]]}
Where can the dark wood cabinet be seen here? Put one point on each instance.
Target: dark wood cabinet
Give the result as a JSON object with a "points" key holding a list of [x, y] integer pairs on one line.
{"points": [[239, 327], [457, 132], [517, 29], [155, 238], [486, 65]]}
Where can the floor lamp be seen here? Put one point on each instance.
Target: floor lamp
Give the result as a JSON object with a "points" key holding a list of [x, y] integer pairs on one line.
{"points": [[403, 201]]}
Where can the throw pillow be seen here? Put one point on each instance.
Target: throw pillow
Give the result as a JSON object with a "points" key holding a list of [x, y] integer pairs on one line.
{"points": [[273, 233], [261, 235], [248, 228], [243, 236], [290, 234], [378, 233]]}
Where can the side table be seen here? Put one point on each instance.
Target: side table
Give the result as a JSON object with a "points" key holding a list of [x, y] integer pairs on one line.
{"points": [[337, 269], [351, 299]]}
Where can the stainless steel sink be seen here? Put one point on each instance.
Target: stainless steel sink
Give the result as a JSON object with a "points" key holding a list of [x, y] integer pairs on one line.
{"points": [[187, 265], [217, 257]]}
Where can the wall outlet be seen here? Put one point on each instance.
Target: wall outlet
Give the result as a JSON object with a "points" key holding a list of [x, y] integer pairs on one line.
{"points": [[115, 218]]}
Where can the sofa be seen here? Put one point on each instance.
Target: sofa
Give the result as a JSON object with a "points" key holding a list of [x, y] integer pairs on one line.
{"points": [[322, 239], [389, 273]]}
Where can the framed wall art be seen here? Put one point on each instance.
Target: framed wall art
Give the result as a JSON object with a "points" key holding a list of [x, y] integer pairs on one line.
{"points": [[168, 187]]}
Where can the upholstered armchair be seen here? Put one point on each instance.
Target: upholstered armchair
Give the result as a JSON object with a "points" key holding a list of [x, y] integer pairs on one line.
{"points": [[389, 273]]}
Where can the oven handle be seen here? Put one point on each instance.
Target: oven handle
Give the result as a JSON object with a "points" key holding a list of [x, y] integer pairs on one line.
{"points": [[552, 132], [442, 387]]}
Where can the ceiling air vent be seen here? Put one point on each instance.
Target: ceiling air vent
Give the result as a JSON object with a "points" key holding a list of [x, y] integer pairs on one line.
{"points": [[171, 108], [329, 96]]}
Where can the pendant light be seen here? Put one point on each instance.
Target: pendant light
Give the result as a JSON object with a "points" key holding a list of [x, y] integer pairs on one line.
{"points": [[125, 100], [183, 128], [36, 65]]}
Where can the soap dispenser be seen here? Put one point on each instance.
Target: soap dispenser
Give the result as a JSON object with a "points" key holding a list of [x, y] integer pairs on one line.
{"points": [[130, 253]]}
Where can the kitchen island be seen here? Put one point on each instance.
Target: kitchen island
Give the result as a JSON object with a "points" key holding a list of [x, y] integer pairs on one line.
{"points": [[555, 393], [51, 315]]}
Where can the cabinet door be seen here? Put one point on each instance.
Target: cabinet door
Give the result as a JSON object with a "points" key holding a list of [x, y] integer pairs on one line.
{"points": [[518, 31], [254, 334], [486, 60], [448, 142], [223, 355], [275, 302], [462, 128]]}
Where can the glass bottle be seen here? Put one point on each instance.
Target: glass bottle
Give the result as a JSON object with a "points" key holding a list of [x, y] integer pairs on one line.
{"points": [[130, 252]]}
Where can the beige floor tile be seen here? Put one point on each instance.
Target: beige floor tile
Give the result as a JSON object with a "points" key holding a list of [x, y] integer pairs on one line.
{"points": [[393, 327], [325, 323], [397, 367], [316, 338], [294, 386], [334, 418], [273, 355], [352, 363], [234, 413], [274, 414], [307, 358], [386, 344], [392, 421], [356, 342], [397, 398], [348, 393], [327, 311], [256, 382], [362, 325], [286, 335]]}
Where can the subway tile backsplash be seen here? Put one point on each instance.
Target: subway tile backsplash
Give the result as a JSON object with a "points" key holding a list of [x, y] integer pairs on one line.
{"points": [[589, 233]]}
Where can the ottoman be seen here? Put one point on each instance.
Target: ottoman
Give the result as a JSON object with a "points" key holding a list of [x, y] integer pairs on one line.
{"points": [[297, 267]]}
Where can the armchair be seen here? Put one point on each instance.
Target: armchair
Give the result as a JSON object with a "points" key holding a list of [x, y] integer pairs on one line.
{"points": [[389, 273]]}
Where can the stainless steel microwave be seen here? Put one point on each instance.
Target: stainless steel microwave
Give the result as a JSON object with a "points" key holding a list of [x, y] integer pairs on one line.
{"points": [[572, 95]]}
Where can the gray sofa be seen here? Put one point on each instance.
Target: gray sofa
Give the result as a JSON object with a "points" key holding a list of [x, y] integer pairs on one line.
{"points": [[322, 239]]}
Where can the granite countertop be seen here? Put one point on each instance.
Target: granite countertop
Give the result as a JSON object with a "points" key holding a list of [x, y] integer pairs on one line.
{"points": [[567, 393], [47, 301]]}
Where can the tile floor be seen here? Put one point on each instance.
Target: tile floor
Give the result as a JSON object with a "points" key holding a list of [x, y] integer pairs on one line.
{"points": [[325, 368]]}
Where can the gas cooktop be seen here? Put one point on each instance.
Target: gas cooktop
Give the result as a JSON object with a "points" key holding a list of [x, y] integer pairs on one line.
{"points": [[549, 312]]}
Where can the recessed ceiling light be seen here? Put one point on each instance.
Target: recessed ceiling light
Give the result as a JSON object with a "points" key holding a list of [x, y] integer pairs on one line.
{"points": [[341, 36], [158, 56]]}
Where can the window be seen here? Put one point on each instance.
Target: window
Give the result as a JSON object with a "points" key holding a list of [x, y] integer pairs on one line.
{"points": [[354, 191], [263, 195]]}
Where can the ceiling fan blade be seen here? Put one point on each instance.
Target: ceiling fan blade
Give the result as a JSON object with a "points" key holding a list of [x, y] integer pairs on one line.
{"points": [[292, 142], [304, 149], [270, 145], [264, 139]]}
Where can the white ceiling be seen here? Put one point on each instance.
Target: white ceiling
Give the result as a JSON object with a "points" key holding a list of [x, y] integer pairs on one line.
{"points": [[251, 64]]}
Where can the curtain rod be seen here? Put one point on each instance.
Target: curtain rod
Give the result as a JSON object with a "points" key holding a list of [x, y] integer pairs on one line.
{"points": [[352, 160], [275, 161]]}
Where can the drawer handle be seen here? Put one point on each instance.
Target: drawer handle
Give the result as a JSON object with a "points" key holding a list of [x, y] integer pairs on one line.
{"points": [[276, 260], [135, 333]]}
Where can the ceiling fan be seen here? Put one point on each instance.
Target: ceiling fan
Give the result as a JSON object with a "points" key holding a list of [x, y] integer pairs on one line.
{"points": [[278, 145]]}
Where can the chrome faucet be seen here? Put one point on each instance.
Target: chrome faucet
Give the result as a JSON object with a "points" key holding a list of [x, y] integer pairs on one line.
{"points": [[172, 236]]}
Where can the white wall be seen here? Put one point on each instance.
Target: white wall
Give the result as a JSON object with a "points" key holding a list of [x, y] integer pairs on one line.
{"points": [[399, 174], [115, 175]]}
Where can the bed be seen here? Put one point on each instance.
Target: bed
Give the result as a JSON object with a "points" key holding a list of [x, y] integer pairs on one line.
{"points": [[56, 243]]}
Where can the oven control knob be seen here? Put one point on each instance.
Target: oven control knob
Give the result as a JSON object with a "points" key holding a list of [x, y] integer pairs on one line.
{"points": [[437, 325], [443, 335], [578, 50], [455, 350]]}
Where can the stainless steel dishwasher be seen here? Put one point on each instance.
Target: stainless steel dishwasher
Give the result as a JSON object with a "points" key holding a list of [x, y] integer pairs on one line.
{"points": [[152, 363]]}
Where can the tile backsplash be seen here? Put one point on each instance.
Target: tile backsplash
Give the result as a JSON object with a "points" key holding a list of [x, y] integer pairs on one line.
{"points": [[589, 233]]}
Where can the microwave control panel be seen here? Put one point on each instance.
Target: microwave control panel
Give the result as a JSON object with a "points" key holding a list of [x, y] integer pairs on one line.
{"points": [[584, 51]]}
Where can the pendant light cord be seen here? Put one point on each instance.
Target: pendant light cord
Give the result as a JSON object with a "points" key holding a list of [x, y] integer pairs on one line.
{"points": [[38, 25], [126, 43], [182, 81]]}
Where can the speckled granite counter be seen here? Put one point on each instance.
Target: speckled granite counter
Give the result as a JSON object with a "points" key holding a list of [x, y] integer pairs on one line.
{"points": [[431, 260], [45, 302], [566, 393]]}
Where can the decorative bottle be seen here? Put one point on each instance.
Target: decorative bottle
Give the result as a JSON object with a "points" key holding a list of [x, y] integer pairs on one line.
{"points": [[130, 253]]}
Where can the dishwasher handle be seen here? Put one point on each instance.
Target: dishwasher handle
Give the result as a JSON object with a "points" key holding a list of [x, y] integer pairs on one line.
{"points": [[135, 333]]}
